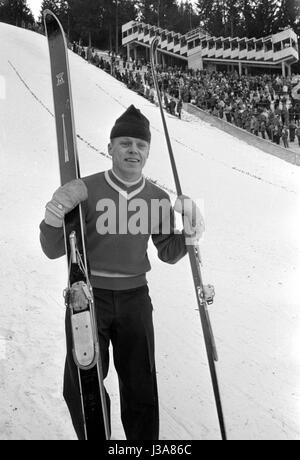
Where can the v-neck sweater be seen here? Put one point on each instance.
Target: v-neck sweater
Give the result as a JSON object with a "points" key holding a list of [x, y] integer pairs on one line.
{"points": [[117, 255]]}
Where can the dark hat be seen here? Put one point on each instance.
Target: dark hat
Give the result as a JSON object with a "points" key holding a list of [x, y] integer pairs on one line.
{"points": [[132, 124]]}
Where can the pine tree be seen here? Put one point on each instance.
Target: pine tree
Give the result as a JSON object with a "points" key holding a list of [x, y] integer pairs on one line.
{"points": [[232, 26], [149, 10], [251, 18], [167, 13], [212, 16], [289, 14], [52, 5], [60, 8], [86, 16], [186, 17], [248, 19], [265, 18], [16, 12]]}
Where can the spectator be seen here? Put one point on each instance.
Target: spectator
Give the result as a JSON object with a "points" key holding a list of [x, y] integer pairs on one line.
{"points": [[172, 107], [227, 111], [298, 134], [285, 135], [263, 129], [166, 102], [152, 94], [277, 134], [260, 104], [292, 129], [179, 107]]}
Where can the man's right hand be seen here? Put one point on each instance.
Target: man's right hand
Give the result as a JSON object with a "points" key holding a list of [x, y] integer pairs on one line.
{"points": [[64, 200]]}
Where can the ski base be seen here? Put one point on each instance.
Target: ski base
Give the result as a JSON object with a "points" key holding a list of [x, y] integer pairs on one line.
{"points": [[78, 296]]}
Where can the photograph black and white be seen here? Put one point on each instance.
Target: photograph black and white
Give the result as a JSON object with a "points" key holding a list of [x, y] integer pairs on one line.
{"points": [[150, 217]]}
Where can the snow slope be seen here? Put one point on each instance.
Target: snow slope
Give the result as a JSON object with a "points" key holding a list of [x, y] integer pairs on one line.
{"points": [[251, 255]]}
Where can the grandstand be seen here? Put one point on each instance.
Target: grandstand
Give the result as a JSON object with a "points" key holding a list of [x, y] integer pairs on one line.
{"points": [[199, 50]]}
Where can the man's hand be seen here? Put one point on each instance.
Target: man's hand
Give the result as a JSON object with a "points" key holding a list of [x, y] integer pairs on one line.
{"points": [[64, 200], [193, 221]]}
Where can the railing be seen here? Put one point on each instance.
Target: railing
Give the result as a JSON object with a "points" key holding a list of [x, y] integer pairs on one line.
{"points": [[285, 53], [196, 32], [172, 43]]}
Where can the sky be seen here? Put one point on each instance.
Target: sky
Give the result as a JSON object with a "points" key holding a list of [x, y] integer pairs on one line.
{"points": [[35, 6], [251, 254]]}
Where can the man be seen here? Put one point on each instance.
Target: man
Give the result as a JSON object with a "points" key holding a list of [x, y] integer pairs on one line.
{"points": [[179, 107], [285, 136], [172, 106], [292, 130], [297, 132], [117, 239]]}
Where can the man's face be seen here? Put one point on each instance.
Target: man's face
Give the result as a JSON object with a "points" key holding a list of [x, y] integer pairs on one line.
{"points": [[129, 156]]}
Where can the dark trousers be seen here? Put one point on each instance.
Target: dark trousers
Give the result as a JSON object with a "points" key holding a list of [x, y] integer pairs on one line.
{"points": [[124, 318]]}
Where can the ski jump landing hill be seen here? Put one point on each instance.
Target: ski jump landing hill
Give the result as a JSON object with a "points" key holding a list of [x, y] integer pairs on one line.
{"points": [[256, 141], [250, 253]]}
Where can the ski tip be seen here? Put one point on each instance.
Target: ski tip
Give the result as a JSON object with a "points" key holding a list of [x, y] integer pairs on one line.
{"points": [[52, 24], [48, 15], [155, 42]]}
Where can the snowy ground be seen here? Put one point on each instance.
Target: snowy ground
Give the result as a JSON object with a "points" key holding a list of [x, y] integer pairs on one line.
{"points": [[251, 255]]}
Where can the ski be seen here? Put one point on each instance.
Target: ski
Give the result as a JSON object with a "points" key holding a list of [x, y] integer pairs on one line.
{"points": [[78, 295], [204, 294]]}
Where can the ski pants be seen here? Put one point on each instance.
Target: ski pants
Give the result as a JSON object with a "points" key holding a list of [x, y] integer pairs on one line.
{"points": [[124, 319]]}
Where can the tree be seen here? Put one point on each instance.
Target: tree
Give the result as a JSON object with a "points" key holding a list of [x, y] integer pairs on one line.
{"points": [[167, 13], [289, 14], [53, 5], [148, 11], [186, 17], [16, 12], [265, 18], [251, 18], [248, 19], [211, 14], [232, 18], [59, 8], [85, 16]]}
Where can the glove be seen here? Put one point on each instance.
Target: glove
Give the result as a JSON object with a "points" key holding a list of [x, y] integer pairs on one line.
{"points": [[193, 221], [64, 200]]}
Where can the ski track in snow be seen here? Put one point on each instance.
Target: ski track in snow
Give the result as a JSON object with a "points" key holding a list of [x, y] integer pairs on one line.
{"points": [[250, 253], [173, 139]]}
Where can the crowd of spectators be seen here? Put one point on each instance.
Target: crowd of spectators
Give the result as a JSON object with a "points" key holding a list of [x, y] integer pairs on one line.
{"points": [[261, 104], [92, 56]]}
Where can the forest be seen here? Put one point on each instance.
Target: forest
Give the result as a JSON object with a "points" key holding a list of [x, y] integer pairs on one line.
{"points": [[98, 22]]}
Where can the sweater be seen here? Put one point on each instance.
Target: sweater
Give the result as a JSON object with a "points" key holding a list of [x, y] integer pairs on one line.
{"points": [[119, 220]]}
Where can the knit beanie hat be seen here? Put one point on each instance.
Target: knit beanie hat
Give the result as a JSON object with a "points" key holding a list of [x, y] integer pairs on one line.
{"points": [[132, 124]]}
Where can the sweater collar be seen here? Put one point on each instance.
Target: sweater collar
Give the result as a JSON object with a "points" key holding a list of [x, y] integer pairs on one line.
{"points": [[124, 182], [127, 189]]}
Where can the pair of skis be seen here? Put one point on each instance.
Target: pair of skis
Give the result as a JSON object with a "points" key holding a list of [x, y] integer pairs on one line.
{"points": [[79, 295], [204, 294]]}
